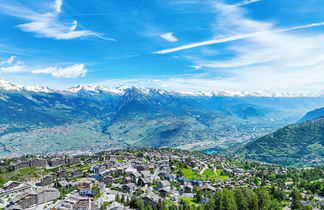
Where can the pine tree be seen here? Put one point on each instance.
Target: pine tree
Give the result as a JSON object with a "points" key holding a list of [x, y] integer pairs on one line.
{"points": [[264, 199], [252, 199], [117, 198], [241, 201], [218, 199], [229, 200]]}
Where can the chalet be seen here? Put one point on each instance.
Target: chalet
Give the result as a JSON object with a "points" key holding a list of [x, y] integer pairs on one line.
{"points": [[76, 173], [170, 177], [145, 174], [61, 174], [98, 169], [11, 185], [164, 191], [135, 176], [142, 167], [182, 180], [128, 187], [46, 180], [86, 192], [188, 188], [151, 199], [145, 181], [101, 186], [163, 184], [127, 180], [62, 183], [108, 179], [208, 188], [85, 203], [90, 182]]}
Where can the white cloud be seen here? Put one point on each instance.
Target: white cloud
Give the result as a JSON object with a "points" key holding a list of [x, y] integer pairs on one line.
{"points": [[48, 24], [262, 56], [58, 6], [74, 71], [247, 2], [11, 65], [169, 37], [196, 67], [236, 37], [14, 68]]}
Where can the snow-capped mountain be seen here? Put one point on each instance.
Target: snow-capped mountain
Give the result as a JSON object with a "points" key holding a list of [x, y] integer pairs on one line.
{"points": [[5, 85], [120, 90], [44, 118]]}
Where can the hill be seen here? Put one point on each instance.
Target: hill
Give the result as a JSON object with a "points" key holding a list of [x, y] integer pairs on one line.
{"points": [[299, 144], [313, 115]]}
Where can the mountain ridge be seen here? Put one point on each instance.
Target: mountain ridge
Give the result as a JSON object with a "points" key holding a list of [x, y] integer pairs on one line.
{"points": [[299, 144], [8, 86], [317, 113], [138, 117]]}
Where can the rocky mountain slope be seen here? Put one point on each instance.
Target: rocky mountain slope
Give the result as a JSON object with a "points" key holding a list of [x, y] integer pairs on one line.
{"points": [[38, 119]]}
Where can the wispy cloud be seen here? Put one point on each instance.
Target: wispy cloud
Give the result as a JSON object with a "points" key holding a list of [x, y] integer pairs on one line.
{"points": [[235, 37], [262, 56], [48, 24], [73, 71], [169, 37], [11, 65], [58, 6], [247, 2]]}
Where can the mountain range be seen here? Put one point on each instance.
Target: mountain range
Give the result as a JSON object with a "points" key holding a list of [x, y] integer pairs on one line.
{"points": [[36, 119]]}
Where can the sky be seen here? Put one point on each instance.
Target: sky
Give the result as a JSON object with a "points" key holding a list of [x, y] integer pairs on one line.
{"points": [[190, 45]]}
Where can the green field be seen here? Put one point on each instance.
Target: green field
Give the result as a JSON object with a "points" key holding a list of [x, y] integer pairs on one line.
{"points": [[208, 174], [22, 174], [191, 201]]}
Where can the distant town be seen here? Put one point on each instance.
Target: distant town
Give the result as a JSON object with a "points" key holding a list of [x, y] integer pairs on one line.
{"points": [[155, 179]]}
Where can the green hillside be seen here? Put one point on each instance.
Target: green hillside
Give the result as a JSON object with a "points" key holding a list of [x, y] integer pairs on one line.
{"points": [[295, 145]]}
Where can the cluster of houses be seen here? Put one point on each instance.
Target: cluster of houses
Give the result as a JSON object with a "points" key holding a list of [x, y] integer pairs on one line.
{"points": [[90, 182]]}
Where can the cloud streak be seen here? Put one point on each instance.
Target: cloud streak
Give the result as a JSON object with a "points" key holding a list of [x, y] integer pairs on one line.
{"points": [[235, 37], [247, 2], [48, 24]]}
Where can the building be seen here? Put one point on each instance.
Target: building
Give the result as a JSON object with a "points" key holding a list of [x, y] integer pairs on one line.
{"points": [[188, 188], [42, 195], [62, 183], [56, 162], [72, 160], [47, 180], [20, 164], [41, 163], [76, 173]]}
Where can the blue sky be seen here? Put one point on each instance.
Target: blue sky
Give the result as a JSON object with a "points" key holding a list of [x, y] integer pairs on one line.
{"points": [[270, 45]]}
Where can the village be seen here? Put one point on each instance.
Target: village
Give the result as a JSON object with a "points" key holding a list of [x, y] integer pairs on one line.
{"points": [[117, 179]]}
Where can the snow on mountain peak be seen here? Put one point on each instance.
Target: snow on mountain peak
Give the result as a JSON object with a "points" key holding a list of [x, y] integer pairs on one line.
{"points": [[120, 90], [38, 89], [5, 85], [95, 89]]}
